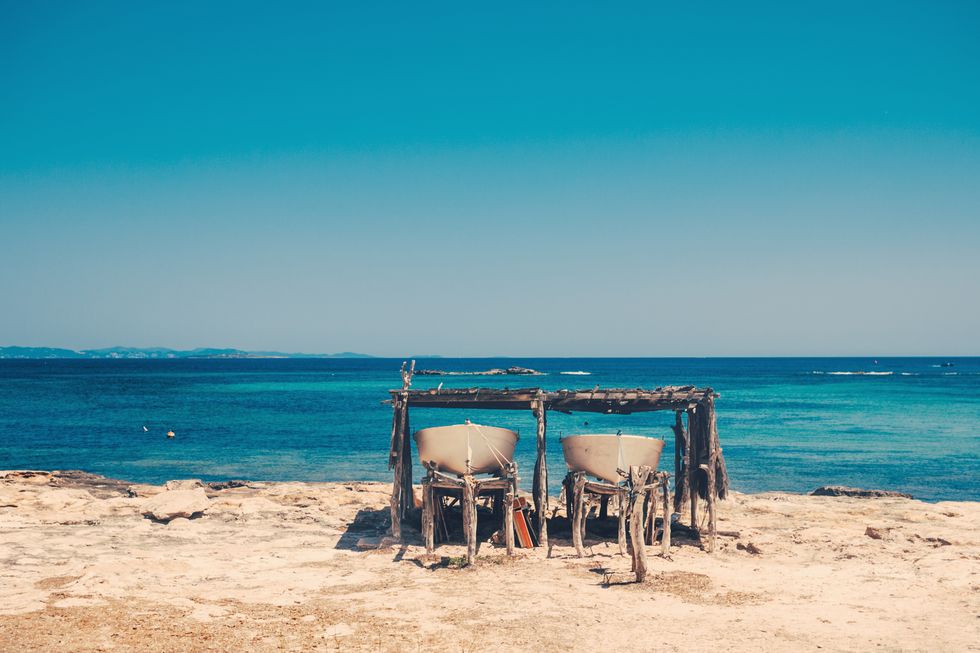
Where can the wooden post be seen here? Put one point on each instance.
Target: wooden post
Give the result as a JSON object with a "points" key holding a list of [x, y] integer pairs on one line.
{"points": [[693, 434], [578, 510], [428, 514], [680, 461], [665, 539], [712, 486], [400, 456], [396, 487], [541, 474], [637, 479], [407, 495], [569, 484], [650, 521], [509, 497], [621, 498], [469, 517]]}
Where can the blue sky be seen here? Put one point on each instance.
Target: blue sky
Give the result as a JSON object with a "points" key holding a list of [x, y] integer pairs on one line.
{"points": [[767, 179]]}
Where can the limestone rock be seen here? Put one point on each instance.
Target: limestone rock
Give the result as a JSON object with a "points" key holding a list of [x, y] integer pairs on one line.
{"points": [[184, 484], [228, 485], [841, 491], [142, 490], [176, 503]]}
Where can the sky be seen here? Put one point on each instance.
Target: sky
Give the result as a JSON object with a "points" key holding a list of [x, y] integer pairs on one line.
{"points": [[484, 179]]}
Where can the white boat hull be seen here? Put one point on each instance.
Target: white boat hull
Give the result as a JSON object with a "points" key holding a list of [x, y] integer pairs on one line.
{"points": [[466, 448], [603, 454]]}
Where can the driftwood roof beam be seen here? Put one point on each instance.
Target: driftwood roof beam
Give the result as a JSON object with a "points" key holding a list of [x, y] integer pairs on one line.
{"points": [[622, 401]]}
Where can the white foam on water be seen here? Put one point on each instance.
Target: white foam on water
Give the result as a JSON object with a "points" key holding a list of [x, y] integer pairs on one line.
{"points": [[577, 373], [860, 373]]}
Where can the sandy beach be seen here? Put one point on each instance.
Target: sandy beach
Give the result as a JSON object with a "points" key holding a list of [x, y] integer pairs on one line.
{"points": [[304, 566]]}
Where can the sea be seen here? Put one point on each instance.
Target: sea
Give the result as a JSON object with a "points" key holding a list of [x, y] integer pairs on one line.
{"points": [[787, 424]]}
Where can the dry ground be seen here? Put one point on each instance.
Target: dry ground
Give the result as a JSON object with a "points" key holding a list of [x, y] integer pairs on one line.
{"points": [[275, 566]]}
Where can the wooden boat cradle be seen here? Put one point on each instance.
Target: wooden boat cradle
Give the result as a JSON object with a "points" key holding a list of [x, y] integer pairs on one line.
{"points": [[636, 505], [436, 484]]}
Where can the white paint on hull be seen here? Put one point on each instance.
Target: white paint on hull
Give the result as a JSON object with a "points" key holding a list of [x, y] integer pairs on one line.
{"points": [[602, 454], [466, 448]]}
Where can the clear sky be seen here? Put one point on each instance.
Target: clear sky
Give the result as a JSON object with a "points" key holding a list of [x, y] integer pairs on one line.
{"points": [[491, 178]]}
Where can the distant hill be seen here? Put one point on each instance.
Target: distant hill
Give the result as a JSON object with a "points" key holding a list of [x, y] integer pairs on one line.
{"points": [[158, 352]]}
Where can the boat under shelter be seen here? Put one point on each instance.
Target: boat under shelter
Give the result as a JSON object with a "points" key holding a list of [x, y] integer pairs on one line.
{"points": [[699, 465]]}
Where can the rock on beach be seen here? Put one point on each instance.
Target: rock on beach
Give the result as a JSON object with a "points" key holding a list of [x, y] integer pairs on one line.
{"points": [[176, 503]]}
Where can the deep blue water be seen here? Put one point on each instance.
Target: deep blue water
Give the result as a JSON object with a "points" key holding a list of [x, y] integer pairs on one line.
{"points": [[785, 424]]}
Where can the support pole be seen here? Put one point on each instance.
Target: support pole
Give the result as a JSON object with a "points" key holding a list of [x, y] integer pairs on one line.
{"points": [[650, 521], [400, 455], [396, 459], [578, 510], [509, 516], [622, 500], [469, 517], [407, 495], [637, 479], [693, 434], [509, 497], [541, 474], [665, 539], [712, 485], [428, 514], [680, 461], [569, 486]]}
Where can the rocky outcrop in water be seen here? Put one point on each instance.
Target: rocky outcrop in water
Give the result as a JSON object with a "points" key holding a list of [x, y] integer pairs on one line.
{"points": [[842, 491], [496, 371]]}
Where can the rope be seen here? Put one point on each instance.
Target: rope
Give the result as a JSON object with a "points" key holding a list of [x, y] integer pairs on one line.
{"points": [[497, 454]]}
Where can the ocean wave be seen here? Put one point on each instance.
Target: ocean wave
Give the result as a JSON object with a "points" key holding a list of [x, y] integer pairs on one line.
{"points": [[909, 373], [854, 373], [577, 373]]}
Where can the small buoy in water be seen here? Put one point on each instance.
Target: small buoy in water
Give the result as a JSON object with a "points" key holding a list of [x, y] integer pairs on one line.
{"points": [[146, 430], [170, 434]]}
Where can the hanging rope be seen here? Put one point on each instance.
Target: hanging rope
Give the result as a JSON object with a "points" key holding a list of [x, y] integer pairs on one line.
{"points": [[498, 455]]}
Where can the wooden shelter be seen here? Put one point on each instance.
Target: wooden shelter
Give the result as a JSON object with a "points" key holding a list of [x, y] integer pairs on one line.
{"points": [[699, 466]]}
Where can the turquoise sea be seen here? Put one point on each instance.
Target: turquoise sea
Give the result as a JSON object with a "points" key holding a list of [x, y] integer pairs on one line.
{"points": [[909, 424]]}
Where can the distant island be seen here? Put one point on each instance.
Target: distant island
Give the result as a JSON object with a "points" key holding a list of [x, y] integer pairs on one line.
{"points": [[158, 353]]}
